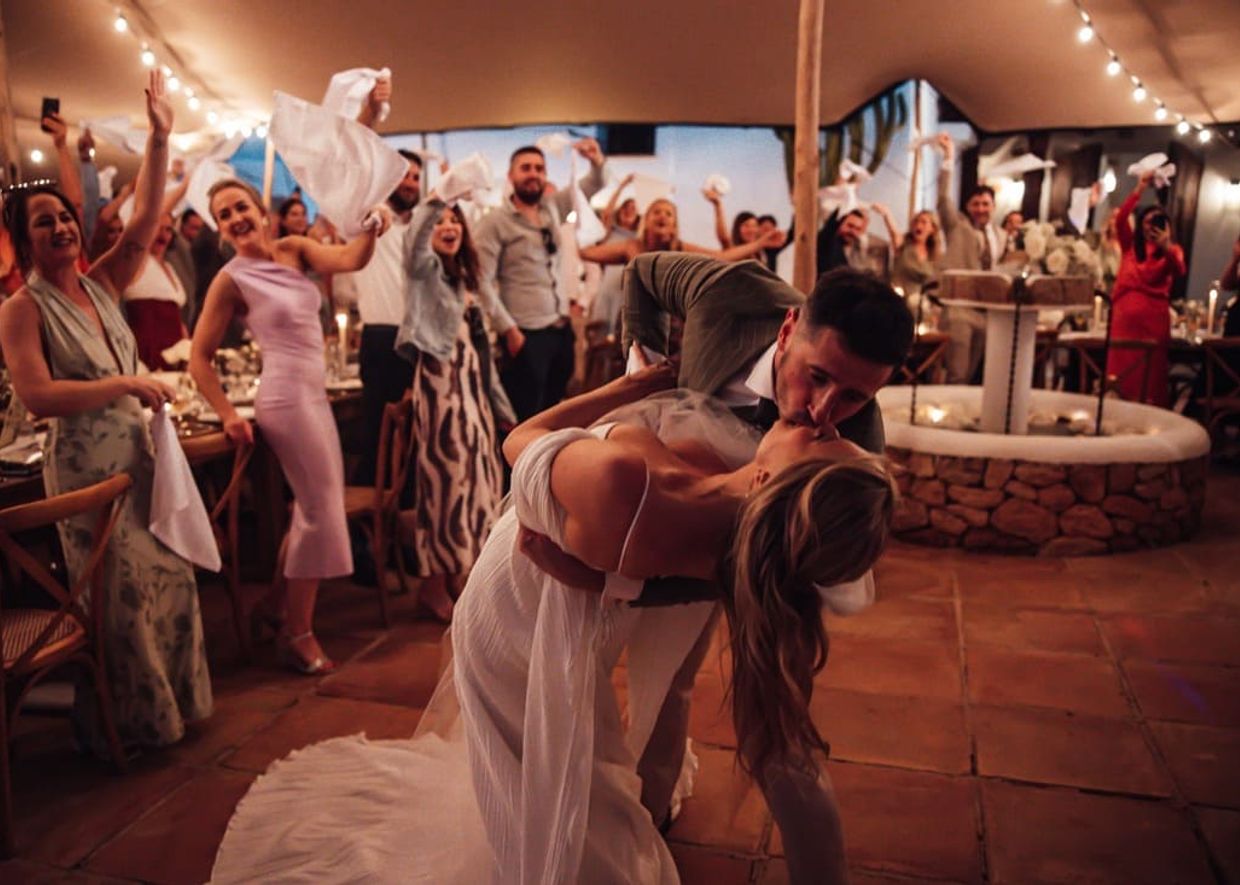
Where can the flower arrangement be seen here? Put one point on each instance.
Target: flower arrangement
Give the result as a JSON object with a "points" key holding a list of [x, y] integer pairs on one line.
{"points": [[1057, 254]]}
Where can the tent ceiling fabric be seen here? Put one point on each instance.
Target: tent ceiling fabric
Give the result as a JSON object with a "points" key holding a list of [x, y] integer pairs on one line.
{"points": [[1007, 64]]}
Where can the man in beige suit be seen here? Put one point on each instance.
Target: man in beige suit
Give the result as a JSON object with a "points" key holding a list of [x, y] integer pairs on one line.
{"points": [[973, 243]]}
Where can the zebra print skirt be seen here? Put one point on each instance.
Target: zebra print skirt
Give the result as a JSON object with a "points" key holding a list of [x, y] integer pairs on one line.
{"points": [[455, 470]]}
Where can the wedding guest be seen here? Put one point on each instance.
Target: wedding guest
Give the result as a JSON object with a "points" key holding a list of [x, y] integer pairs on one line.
{"points": [[73, 359], [621, 224], [1140, 301], [108, 224], [843, 241], [457, 475], [267, 284], [770, 255], [918, 254], [972, 243], [660, 232], [155, 301], [519, 248]]}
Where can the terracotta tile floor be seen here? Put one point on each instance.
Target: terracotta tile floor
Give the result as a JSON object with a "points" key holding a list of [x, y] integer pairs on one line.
{"points": [[992, 719]]}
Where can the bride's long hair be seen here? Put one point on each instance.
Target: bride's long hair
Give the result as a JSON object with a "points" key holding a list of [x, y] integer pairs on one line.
{"points": [[814, 523]]}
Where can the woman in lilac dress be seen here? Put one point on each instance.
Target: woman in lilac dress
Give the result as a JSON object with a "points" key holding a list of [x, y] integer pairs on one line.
{"points": [[266, 284]]}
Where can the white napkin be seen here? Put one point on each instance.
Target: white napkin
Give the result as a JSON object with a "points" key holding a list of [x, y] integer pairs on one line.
{"points": [[347, 91], [556, 143], [119, 131], [177, 353], [839, 196], [1078, 207], [212, 168], [589, 227], [849, 598], [854, 172], [717, 183], [1018, 166], [178, 517], [634, 363], [344, 166], [1156, 163], [471, 175], [107, 175]]}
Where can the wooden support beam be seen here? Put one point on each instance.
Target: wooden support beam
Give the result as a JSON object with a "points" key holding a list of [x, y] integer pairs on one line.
{"points": [[805, 168]]}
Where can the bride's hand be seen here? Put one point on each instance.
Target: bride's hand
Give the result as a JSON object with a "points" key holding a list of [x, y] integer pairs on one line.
{"points": [[563, 567]]}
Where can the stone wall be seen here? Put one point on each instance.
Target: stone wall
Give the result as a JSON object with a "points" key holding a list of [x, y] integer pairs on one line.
{"points": [[1032, 507]]}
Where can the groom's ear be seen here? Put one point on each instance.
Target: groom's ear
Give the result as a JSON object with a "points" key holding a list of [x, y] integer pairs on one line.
{"points": [[787, 329]]}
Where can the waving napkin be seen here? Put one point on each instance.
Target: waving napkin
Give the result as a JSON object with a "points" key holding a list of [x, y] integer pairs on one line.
{"points": [[210, 169], [589, 228], [841, 197], [347, 91], [556, 143], [717, 183], [470, 176], [344, 166], [1156, 163], [178, 517], [119, 131], [854, 172]]}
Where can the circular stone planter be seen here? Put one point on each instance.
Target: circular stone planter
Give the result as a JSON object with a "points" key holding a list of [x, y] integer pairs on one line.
{"points": [[1140, 484]]}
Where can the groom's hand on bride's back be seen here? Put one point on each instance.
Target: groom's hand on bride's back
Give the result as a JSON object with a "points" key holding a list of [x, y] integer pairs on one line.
{"points": [[563, 567]]}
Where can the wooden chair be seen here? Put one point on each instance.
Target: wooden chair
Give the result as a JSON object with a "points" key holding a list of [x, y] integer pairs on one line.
{"points": [[604, 359], [376, 507], [1092, 374], [1222, 359], [926, 361], [37, 641], [225, 516]]}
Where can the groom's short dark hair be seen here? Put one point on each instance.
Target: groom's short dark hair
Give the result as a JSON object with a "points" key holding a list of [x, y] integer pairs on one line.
{"points": [[874, 321]]}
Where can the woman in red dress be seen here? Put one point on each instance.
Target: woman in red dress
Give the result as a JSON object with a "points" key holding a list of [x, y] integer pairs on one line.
{"points": [[1140, 299]]}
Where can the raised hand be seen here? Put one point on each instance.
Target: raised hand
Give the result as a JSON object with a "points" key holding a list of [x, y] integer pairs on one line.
{"points": [[57, 128], [774, 238], [711, 195], [379, 94], [158, 108], [590, 149]]}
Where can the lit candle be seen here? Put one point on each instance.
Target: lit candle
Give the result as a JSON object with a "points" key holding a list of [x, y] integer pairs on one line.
{"points": [[936, 414], [1210, 311], [342, 351], [1097, 311]]}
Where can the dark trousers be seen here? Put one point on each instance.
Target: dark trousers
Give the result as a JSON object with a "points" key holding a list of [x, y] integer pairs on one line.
{"points": [[385, 377], [538, 376]]}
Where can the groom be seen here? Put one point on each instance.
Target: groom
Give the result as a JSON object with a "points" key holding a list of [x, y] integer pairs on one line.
{"points": [[769, 352]]}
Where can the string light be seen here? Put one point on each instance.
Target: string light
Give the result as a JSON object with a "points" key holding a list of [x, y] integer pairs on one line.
{"points": [[1088, 32], [36, 156], [193, 100], [261, 130]]}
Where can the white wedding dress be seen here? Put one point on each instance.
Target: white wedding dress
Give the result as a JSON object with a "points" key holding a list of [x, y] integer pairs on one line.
{"points": [[522, 769]]}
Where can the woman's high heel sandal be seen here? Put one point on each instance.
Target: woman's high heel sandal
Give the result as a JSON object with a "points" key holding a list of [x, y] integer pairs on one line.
{"points": [[320, 664]]}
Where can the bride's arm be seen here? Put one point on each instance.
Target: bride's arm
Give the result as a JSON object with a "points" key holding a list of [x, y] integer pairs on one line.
{"points": [[583, 410]]}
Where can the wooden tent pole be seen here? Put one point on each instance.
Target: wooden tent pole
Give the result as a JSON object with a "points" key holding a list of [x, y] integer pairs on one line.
{"points": [[914, 179], [12, 166], [805, 168]]}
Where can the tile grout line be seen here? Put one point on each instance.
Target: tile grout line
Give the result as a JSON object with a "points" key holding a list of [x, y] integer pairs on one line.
{"points": [[1177, 799], [966, 706]]}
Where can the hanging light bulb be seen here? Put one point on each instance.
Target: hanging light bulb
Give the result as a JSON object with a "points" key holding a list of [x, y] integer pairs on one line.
{"points": [[120, 24], [1114, 67], [212, 117], [1139, 94], [1109, 182], [148, 57], [261, 130], [1160, 113], [174, 83], [36, 156], [189, 92], [246, 131], [1182, 127], [1203, 136], [1085, 34], [194, 103]]}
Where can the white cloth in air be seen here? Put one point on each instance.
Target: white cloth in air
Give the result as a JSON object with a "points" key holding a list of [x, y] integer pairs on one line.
{"points": [[348, 90]]}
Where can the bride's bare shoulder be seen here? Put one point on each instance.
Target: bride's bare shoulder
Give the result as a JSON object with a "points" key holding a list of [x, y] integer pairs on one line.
{"points": [[600, 484]]}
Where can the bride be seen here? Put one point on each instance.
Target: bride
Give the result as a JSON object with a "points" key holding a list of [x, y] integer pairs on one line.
{"points": [[526, 714]]}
